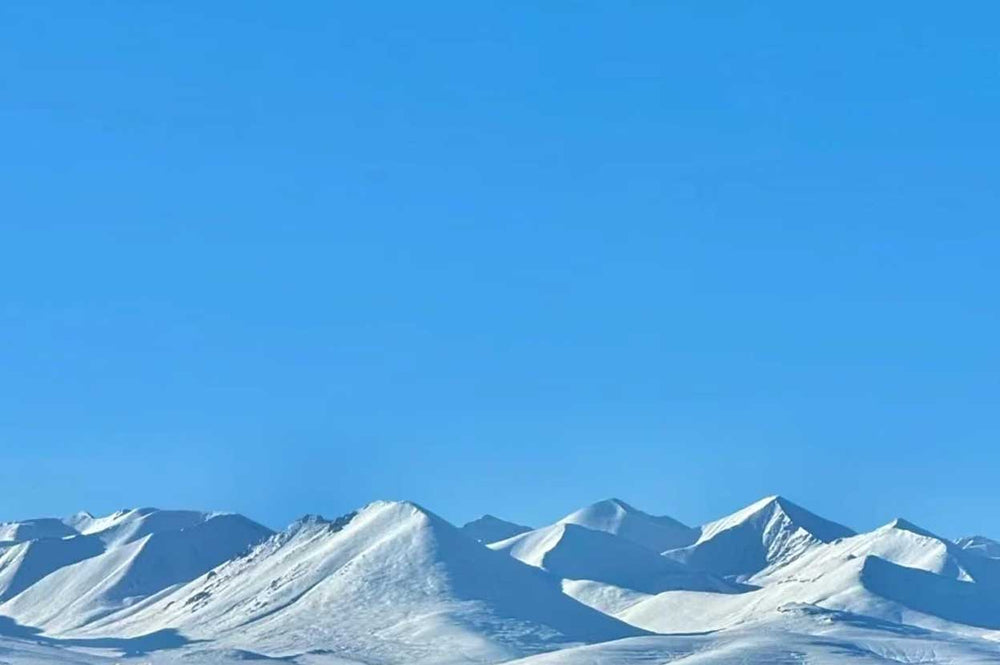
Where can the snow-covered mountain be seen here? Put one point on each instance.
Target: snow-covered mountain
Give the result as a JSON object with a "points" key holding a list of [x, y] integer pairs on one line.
{"points": [[490, 529], [980, 545], [394, 583], [25, 563], [764, 535], [898, 574], [614, 516], [109, 564]]}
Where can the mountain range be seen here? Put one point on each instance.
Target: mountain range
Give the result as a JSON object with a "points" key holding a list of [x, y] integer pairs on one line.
{"points": [[394, 583]]}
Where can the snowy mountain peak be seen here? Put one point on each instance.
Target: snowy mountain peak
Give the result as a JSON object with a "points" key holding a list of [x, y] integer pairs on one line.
{"points": [[906, 525], [490, 529], [773, 510], [606, 509], [399, 510], [768, 533], [394, 583], [396, 579], [614, 503], [111, 563], [614, 516], [980, 545]]}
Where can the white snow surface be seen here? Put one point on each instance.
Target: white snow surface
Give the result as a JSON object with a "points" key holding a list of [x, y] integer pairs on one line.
{"points": [[58, 584], [768, 533], [393, 583], [570, 551], [19, 532], [614, 516]]}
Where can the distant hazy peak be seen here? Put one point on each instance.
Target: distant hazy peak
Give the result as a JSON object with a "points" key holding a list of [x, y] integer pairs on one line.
{"points": [[980, 545], [490, 529]]}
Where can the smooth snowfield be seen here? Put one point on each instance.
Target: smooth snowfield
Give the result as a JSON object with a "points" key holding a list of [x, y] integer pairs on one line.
{"points": [[795, 635], [393, 583]]}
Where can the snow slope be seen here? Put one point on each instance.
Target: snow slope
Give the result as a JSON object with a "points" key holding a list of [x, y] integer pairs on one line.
{"points": [[614, 516], [126, 526], [29, 652], [570, 551], [19, 532], [391, 584], [62, 584], [768, 533], [25, 563], [490, 529], [394, 583], [898, 573], [794, 635]]}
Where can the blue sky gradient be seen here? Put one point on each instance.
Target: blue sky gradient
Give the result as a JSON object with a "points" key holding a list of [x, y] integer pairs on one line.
{"points": [[501, 256]]}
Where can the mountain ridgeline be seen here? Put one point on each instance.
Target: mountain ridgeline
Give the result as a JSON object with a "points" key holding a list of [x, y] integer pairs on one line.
{"points": [[394, 583]]}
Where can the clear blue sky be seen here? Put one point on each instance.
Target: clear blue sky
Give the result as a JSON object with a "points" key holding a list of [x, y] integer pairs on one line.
{"points": [[501, 256]]}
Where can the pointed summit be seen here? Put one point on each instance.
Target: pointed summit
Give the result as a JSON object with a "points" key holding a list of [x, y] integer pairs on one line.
{"points": [[614, 516], [770, 532], [395, 579], [906, 525]]}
